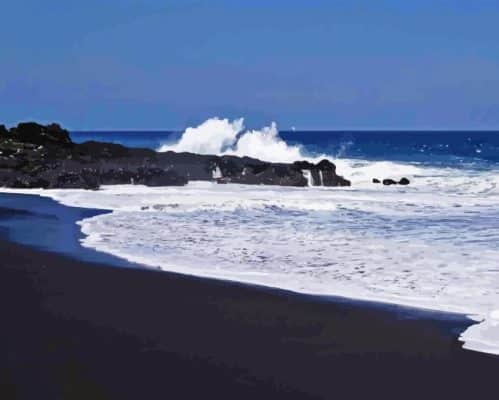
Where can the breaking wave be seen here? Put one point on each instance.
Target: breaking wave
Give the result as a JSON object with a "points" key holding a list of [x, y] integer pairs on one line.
{"points": [[221, 136], [225, 137]]}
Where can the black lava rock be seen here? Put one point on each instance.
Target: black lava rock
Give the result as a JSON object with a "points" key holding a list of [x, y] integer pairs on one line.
{"points": [[326, 165], [75, 180], [31, 132], [323, 173], [34, 155]]}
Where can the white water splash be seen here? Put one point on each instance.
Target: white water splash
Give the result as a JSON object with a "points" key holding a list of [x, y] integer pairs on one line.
{"points": [[213, 136], [308, 176], [217, 173], [221, 136]]}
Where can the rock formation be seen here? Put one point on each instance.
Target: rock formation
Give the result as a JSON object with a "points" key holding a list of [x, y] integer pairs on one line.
{"points": [[38, 156], [322, 174], [389, 182]]}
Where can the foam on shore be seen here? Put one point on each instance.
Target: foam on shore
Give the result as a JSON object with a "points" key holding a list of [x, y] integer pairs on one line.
{"points": [[433, 245]]}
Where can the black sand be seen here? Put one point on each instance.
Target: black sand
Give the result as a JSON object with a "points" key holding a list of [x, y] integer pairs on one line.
{"points": [[79, 330]]}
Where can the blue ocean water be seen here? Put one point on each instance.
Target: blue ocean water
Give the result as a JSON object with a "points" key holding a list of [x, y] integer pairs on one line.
{"points": [[44, 224]]}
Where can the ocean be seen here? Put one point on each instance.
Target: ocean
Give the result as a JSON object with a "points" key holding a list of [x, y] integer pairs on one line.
{"points": [[433, 244]]}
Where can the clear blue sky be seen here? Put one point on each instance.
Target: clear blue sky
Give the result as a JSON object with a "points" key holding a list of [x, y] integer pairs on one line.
{"points": [[151, 64]]}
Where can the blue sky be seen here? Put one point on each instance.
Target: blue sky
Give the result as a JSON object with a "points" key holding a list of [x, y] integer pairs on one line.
{"points": [[150, 64]]}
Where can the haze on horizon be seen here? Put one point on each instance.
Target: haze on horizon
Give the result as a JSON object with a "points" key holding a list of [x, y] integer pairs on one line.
{"points": [[150, 64]]}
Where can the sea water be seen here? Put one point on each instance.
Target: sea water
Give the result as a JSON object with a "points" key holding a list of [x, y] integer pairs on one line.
{"points": [[432, 244]]}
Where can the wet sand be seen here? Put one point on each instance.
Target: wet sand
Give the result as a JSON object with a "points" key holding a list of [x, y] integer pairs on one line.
{"points": [[78, 329]]}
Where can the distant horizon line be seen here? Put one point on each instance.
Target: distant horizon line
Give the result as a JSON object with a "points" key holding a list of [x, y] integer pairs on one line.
{"points": [[288, 130]]}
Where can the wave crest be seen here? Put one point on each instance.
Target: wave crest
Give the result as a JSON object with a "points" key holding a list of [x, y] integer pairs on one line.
{"points": [[219, 136], [225, 137]]}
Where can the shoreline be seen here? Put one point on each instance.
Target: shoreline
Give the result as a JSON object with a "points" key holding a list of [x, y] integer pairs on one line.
{"points": [[77, 328], [74, 215]]}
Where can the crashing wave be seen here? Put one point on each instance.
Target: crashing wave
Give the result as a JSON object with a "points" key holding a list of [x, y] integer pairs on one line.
{"points": [[224, 137]]}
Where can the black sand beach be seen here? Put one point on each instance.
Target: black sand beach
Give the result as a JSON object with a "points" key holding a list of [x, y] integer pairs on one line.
{"points": [[78, 329]]}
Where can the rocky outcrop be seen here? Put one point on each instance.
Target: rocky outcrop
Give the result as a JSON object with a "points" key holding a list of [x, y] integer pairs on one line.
{"points": [[251, 171], [38, 156], [259, 173], [321, 174], [389, 182], [34, 133]]}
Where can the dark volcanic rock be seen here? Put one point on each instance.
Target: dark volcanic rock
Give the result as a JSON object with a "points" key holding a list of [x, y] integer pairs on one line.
{"points": [[31, 132], [389, 182], [326, 165], [328, 174], [29, 182], [273, 174], [74, 180], [323, 173], [258, 172], [158, 177], [34, 155], [304, 165]]}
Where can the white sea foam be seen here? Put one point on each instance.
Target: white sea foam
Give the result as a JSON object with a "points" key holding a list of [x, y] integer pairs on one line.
{"points": [[403, 245], [211, 137], [221, 136], [433, 244]]}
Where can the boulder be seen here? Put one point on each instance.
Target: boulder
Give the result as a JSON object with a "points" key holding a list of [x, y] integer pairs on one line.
{"points": [[326, 165], [389, 182], [31, 132], [323, 173]]}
